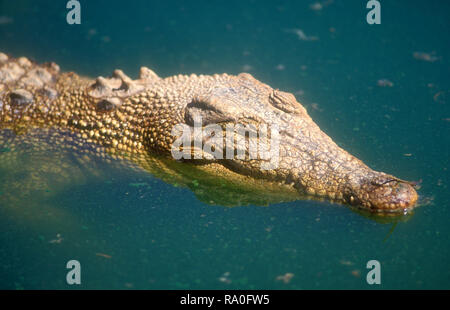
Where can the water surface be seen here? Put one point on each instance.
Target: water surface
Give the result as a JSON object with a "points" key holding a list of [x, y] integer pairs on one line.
{"points": [[380, 91]]}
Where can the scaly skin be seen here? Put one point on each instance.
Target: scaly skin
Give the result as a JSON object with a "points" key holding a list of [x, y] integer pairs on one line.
{"points": [[121, 115]]}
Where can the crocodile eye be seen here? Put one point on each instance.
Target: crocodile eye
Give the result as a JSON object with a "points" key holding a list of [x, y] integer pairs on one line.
{"points": [[285, 102], [211, 109]]}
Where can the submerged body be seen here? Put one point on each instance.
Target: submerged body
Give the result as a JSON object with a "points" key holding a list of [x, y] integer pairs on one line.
{"points": [[124, 116]]}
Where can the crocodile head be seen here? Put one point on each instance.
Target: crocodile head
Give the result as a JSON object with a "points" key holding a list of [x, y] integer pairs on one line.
{"points": [[299, 155], [139, 117]]}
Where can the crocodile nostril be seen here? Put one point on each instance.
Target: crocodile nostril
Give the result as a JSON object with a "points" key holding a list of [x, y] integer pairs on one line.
{"points": [[393, 196], [404, 194]]}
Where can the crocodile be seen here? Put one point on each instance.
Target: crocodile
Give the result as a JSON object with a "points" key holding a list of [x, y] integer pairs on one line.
{"points": [[126, 117]]}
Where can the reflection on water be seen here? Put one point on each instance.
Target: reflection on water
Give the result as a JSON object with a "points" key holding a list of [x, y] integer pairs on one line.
{"points": [[62, 199], [44, 162]]}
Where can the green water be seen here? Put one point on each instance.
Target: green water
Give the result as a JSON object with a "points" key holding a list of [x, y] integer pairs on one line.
{"points": [[130, 229]]}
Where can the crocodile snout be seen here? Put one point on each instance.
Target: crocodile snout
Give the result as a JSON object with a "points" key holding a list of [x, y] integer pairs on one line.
{"points": [[391, 195]]}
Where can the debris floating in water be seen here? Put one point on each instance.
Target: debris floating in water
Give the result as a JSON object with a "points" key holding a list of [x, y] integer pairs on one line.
{"points": [[385, 83], [286, 278], [315, 106], [103, 255], [4, 20], [246, 68], [440, 97], [430, 57], [356, 273], [346, 262], [91, 33], [318, 6], [302, 36], [225, 278], [299, 92], [57, 240]]}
